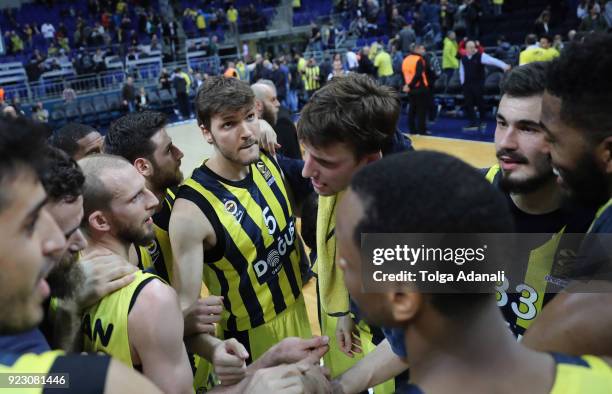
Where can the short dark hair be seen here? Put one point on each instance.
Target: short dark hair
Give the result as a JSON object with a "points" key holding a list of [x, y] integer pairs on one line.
{"points": [[22, 143], [526, 80], [221, 95], [531, 39], [474, 206], [61, 176], [130, 135], [67, 136], [354, 110], [547, 37], [580, 77]]}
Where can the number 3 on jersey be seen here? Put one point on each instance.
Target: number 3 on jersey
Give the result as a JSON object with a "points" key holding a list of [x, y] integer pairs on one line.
{"points": [[526, 308]]}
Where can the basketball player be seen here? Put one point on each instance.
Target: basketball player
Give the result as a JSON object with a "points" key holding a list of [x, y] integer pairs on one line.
{"points": [[141, 139], [78, 140], [577, 119], [140, 324], [29, 239], [536, 201], [77, 285], [232, 221], [455, 343], [343, 128]]}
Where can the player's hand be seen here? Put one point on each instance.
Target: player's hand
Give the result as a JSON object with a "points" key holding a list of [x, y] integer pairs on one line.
{"points": [[294, 349], [268, 139], [202, 315], [406, 89], [348, 336], [282, 379], [103, 273], [229, 361], [315, 379], [507, 68]]}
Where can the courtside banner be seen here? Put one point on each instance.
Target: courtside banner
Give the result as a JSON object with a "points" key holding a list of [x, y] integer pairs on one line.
{"points": [[484, 263]]}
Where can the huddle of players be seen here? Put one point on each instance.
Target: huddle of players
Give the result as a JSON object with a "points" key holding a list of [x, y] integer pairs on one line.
{"points": [[232, 226]]}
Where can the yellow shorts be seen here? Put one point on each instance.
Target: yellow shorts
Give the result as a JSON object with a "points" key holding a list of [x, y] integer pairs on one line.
{"points": [[292, 322]]}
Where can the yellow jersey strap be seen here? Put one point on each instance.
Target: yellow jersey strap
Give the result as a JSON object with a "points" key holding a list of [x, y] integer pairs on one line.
{"points": [[600, 212], [490, 176]]}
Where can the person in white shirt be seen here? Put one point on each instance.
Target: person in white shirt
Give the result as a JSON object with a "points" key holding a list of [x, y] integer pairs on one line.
{"points": [[48, 31], [351, 60]]}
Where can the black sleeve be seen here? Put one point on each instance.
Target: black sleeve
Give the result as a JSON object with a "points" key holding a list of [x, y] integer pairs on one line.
{"points": [[418, 75], [86, 374]]}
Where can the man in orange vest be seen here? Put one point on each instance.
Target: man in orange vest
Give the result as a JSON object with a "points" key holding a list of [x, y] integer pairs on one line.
{"points": [[416, 85]]}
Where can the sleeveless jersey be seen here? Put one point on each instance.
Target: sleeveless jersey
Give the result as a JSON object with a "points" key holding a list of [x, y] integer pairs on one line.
{"points": [[255, 264], [158, 254], [105, 325], [573, 375], [522, 302]]}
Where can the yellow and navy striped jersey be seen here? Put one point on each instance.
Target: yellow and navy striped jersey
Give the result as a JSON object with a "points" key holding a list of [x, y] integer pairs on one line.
{"points": [[603, 219], [105, 324], [81, 373], [158, 254], [255, 264], [522, 302], [573, 375]]}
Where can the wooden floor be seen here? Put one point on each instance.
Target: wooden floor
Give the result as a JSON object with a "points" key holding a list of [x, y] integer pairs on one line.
{"points": [[189, 139]]}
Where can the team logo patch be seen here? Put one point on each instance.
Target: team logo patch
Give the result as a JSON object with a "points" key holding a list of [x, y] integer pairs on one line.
{"points": [[263, 170], [231, 207]]}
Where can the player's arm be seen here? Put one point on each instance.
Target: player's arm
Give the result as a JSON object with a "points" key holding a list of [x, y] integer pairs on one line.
{"points": [[228, 357], [574, 323], [121, 379], [189, 229], [155, 327], [368, 371]]}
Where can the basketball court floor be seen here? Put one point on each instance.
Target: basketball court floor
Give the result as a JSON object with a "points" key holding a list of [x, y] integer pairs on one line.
{"points": [[189, 139]]}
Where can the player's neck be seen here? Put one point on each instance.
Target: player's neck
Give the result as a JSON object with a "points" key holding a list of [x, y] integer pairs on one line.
{"points": [[444, 355], [227, 169], [545, 199], [108, 243], [159, 194]]}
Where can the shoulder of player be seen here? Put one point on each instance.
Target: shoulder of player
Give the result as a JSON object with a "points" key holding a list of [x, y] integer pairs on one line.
{"points": [[156, 306], [570, 313], [154, 296], [188, 219]]}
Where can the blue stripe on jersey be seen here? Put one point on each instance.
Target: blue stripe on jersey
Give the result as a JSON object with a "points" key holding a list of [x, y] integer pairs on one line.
{"points": [[567, 359], [231, 321], [9, 359], [235, 257]]}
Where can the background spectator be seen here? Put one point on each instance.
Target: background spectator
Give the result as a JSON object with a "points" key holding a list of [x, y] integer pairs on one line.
{"points": [[594, 22], [128, 94], [450, 62]]}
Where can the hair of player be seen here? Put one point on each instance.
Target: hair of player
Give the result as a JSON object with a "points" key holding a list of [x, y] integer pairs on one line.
{"points": [[354, 110], [130, 135], [22, 146], [580, 77], [96, 195], [262, 90], [61, 176], [66, 137], [220, 95], [399, 196], [526, 80]]}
